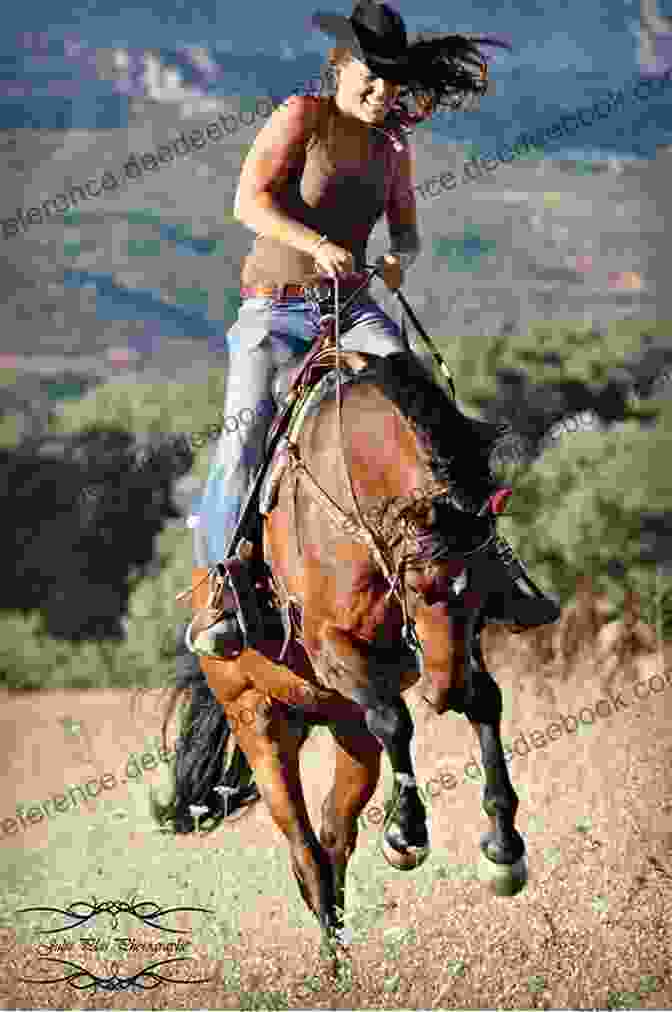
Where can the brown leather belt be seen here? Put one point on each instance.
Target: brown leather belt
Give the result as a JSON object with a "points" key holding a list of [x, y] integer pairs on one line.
{"points": [[320, 290]]}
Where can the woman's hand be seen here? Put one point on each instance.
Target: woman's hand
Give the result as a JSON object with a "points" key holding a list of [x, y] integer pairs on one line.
{"points": [[334, 259], [390, 268]]}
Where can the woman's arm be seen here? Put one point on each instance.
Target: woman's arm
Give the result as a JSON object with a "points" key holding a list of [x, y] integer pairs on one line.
{"points": [[401, 211], [278, 148]]}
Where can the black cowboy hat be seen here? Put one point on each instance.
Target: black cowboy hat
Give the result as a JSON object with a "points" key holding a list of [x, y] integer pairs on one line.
{"points": [[376, 35], [446, 66]]}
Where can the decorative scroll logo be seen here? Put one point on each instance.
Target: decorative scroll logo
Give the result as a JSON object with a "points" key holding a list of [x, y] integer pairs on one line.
{"points": [[114, 907], [115, 983], [80, 913]]}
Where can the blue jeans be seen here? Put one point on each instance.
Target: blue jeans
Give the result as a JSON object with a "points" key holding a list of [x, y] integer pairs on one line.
{"points": [[268, 334]]}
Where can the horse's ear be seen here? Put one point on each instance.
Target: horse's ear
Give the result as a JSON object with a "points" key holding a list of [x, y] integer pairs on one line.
{"points": [[497, 502]]}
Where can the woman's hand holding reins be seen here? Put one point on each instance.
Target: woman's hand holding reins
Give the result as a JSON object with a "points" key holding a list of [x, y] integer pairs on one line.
{"points": [[334, 259]]}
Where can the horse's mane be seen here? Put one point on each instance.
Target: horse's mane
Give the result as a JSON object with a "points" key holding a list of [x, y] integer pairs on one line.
{"points": [[458, 448]]}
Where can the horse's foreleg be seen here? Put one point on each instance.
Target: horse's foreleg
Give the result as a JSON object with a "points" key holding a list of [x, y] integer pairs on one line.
{"points": [[355, 780], [503, 845], [271, 745], [359, 677]]}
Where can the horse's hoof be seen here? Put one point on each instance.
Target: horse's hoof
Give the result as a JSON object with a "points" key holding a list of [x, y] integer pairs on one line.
{"points": [[500, 853], [504, 879], [404, 860], [344, 936]]}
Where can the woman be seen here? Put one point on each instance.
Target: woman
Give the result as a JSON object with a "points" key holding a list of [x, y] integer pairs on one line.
{"points": [[319, 176]]}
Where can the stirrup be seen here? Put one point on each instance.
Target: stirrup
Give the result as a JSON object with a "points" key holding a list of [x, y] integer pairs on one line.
{"points": [[234, 642], [231, 578]]}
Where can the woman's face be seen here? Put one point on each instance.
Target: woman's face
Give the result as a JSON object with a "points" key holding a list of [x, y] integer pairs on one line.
{"points": [[362, 95]]}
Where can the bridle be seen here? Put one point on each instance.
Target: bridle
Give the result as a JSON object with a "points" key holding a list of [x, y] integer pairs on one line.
{"points": [[382, 550]]}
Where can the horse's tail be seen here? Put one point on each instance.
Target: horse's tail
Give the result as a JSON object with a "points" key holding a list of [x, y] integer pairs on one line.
{"points": [[200, 754]]}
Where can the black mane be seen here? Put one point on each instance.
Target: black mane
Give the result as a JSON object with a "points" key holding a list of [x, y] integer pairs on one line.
{"points": [[459, 448]]}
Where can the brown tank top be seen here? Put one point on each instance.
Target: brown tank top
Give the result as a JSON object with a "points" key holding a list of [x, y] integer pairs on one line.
{"points": [[342, 201]]}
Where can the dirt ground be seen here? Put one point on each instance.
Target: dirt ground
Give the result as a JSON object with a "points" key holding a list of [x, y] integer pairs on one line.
{"points": [[592, 929]]}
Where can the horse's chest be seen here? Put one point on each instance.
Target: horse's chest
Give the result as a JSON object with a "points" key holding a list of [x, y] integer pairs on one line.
{"points": [[376, 617]]}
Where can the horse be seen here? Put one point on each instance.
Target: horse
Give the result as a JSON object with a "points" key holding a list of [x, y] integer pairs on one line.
{"points": [[373, 601]]}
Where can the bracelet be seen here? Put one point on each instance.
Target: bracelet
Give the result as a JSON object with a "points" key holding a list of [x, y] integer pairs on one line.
{"points": [[323, 238]]}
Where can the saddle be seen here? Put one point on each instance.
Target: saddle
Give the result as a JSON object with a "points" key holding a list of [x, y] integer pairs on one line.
{"points": [[293, 381], [308, 384]]}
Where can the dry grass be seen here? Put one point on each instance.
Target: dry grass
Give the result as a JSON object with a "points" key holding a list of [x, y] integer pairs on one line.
{"points": [[591, 930], [582, 638]]}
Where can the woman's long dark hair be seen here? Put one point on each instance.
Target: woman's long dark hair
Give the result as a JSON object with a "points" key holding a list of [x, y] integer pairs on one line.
{"points": [[451, 73]]}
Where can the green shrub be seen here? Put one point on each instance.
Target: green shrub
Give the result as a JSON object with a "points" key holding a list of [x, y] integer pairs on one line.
{"points": [[576, 508]]}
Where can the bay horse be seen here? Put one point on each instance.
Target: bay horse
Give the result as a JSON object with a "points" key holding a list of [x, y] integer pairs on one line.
{"points": [[371, 603]]}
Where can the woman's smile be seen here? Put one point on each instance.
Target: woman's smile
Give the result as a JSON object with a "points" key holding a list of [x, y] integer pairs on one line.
{"points": [[376, 108]]}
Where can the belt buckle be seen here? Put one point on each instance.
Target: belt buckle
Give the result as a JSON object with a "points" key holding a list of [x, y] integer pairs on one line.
{"points": [[320, 291]]}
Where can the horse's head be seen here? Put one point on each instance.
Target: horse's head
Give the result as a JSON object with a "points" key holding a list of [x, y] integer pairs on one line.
{"points": [[439, 538], [444, 537]]}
